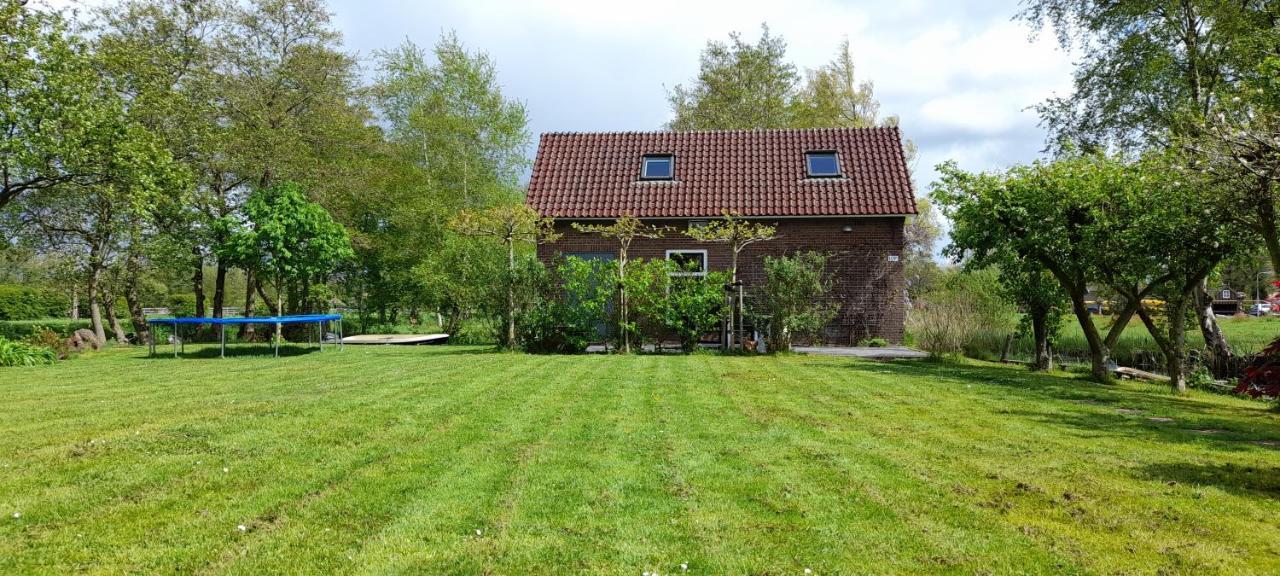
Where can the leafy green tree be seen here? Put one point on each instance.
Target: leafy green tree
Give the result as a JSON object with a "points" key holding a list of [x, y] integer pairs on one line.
{"points": [[1040, 299], [1151, 75], [285, 237], [291, 107], [1182, 235], [740, 86], [165, 53], [460, 278], [454, 142], [793, 303], [1047, 214], [59, 120], [511, 225], [623, 231], [737, 234]]}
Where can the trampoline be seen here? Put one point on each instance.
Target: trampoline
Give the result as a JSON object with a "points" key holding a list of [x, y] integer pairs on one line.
{"points": [[179, 346]]}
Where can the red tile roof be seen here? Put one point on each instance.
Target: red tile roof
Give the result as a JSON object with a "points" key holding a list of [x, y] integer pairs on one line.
{"points": [[745, 172]]}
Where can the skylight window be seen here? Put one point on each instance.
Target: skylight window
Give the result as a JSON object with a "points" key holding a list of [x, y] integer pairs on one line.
{"points": [[658, 167], [822, 164]]}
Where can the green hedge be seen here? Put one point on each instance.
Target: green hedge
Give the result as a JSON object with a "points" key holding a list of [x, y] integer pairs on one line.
{"points": [[18, 302], [21, 329]]}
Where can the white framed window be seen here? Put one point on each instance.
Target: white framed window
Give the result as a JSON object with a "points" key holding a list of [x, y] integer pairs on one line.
{"points": [[688, 262]]}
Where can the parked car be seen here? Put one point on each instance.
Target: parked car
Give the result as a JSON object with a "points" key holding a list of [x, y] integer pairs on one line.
{"points": [[1260, 309]]}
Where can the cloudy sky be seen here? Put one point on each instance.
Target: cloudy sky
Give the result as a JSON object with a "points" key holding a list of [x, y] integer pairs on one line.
{"points": [[960, 74]]}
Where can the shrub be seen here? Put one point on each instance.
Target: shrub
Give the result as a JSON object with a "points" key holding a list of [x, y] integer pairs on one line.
{"points": [[792, 304], [45, 338], [668, 300], [572, 310], [23, 329], [966, 313], [1262, 377], [876, 342], [26, 303], [18, 353], [182, 305]]}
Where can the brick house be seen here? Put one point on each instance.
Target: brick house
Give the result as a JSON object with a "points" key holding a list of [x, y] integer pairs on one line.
{"points": [[844, 192]]}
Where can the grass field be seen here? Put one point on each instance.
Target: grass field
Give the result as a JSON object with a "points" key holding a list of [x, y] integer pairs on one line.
{"points": [[456, 460], [1246, 335]]}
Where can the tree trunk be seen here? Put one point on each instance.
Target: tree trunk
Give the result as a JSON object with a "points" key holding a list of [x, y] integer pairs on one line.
{"points": [[246, 330], [95, 302], [1040, 330], [75, 302], [511, 294], [197, 281], [272, 307], [279, 311], [220, 290], [1266, 215], [109, 306], [131, 297], [622, 305], [1098, 351], [1214, 340], [1176, 354], [1120, 323]]}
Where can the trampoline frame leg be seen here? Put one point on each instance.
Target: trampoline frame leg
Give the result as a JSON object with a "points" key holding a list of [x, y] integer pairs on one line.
{"points": [[175, 339], [276, 336], [222, 340]]}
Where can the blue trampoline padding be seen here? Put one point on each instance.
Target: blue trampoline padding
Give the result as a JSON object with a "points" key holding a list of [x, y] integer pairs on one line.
{"points": [[300, 319]]}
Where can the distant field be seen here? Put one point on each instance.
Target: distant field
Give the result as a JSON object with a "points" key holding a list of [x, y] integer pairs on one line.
{"points": [[1246, 336], [454, 460]]}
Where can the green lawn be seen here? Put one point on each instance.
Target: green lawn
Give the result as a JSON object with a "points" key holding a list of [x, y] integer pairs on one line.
{"points": [[455, 460]]}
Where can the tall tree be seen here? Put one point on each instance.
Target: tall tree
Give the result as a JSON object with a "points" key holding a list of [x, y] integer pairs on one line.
{"points": [[57, 120], [740, 86], [290, 98], [1150, 74], [455, 142], [161, 52]]}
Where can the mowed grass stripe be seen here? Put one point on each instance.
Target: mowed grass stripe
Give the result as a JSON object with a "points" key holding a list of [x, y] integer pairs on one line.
{"points": [[169, 454], [253, 449], [1051, 501], [385, 460]]}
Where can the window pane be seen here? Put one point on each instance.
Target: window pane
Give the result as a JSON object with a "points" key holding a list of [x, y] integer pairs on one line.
{"points": [[689, 262], [658, 167], [823, 164]]}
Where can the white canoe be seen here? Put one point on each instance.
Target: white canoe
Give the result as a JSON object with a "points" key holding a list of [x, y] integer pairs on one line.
{"points": [[396, 339]]}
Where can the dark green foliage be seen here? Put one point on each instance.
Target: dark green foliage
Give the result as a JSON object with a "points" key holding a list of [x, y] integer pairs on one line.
{"points": [[669, 301], [26, 303], [574, 310], [792, 302], [19, 353], [182, 305], [23, 329]]}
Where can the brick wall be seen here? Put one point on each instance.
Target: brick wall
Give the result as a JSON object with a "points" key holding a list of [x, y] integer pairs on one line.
{"points": [[868, 286]]}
